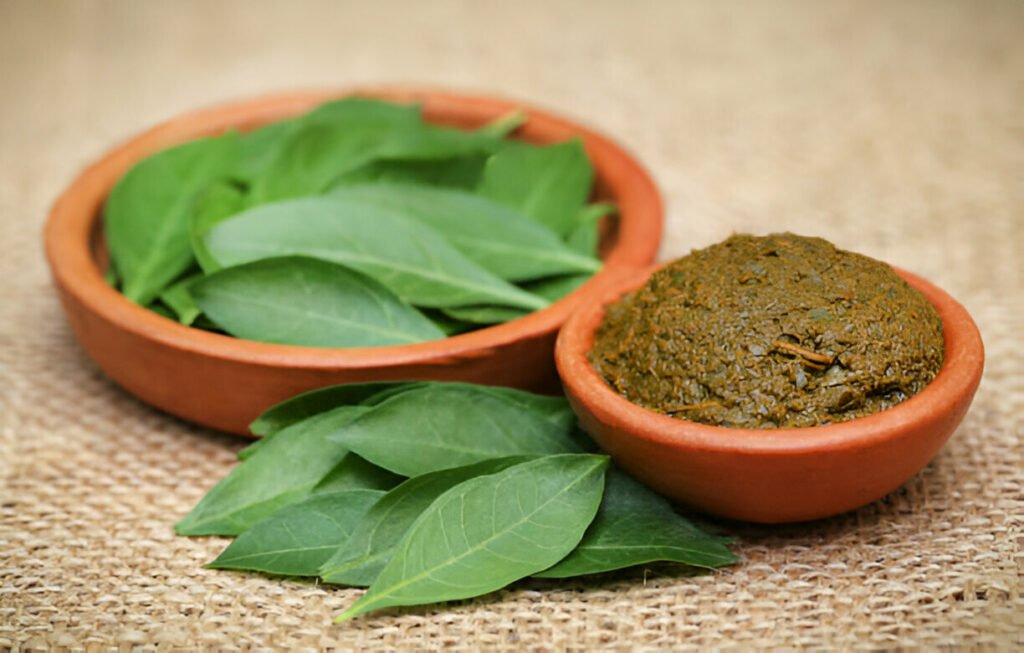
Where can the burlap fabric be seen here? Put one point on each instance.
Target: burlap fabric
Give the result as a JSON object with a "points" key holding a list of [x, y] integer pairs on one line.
{"points": [[892, 128]]}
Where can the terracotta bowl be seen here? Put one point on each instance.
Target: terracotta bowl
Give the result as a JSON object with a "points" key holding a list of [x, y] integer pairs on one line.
{"points": [[224, 382], [773, 476]]}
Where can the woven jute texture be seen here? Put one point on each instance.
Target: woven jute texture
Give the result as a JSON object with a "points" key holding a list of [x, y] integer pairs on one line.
{"points": [[895, 129]]}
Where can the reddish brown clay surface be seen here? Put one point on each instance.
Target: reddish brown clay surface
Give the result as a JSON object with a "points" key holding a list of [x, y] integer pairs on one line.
{"points": [[773, 476], [225, 382]]}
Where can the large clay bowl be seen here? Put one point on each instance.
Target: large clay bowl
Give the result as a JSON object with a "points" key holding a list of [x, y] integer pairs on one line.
{"points": [[224, 382], [782, 475]]}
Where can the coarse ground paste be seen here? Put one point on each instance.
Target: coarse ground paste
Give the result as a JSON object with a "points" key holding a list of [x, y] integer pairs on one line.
{"points": [[770, 332]]}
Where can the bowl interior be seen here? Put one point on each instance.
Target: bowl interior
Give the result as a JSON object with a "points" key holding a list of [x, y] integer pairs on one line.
{"points": [[78, 256], [472, 114]]}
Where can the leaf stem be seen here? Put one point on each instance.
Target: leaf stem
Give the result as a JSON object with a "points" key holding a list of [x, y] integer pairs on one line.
{"points": [[685, 407], [505, 124], [803, 352]]}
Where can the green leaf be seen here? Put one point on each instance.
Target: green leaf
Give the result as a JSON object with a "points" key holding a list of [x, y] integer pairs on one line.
{"points": [[635, 526], [297, 539], [111, 277], [339, 139], [376, 537], [586, 235], [461, 172], [411, 259], [484, 314], [146, 218], [409, 435], [248, 451], [427, 142], [260, 147], [490, 531], [307, 404], [448, 324], [179, 299], [550, 184], [218, 202], [362, 111], [555, 288], [355, 472], [493, 236], [282, 471], [333, 139], [306, 301]]}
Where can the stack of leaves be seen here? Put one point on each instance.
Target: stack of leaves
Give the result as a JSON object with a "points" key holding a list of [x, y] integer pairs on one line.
{"points": [[428, 491], [357, 224]]}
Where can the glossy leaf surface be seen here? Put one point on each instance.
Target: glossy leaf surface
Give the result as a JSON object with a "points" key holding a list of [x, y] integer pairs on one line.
{"points": [[259, 148], [409, 258], [377, 536], [409, 435], [635, 526], [320, 400], [451, 171], [146, 218], [355, 472], [494, 236], [218, 202], [548, 183], [333, 139], [306, 301], [285, 469], [297, 539], [340, 138], [490, 531]]}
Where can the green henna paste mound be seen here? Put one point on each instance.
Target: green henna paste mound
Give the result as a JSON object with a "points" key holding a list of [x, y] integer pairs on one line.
{"points": [[777, 331]]}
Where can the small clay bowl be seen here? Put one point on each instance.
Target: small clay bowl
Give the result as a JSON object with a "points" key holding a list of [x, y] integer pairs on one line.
{"points": [[225, 382], [773, 476]]}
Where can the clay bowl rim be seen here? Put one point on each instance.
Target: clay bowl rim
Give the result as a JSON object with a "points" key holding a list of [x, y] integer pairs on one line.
{"points": [[75, 221], [959, 377]]}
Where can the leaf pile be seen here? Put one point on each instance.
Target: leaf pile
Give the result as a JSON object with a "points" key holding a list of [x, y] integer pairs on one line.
{"points": [[425, 492], [357, 224]]}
